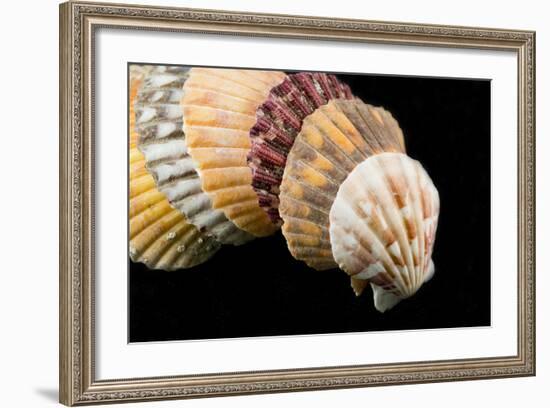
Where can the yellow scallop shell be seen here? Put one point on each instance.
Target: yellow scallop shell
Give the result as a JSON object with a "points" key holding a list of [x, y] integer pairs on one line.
{"points": [[219, 108]]}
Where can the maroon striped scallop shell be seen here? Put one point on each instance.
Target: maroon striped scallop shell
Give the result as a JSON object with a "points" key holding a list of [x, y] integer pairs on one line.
{"points": [[278, 122]]}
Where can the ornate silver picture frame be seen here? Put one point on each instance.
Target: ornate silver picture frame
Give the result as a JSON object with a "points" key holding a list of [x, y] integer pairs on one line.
{"points": [[79, 23]]}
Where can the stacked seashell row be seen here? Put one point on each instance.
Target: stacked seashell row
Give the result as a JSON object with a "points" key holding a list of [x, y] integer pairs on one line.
{"points": [[223, 156]]}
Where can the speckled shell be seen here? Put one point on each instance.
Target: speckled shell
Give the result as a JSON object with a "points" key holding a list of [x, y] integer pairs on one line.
{"points": [[160, 236], [162, 141], [383, 224], [219, 107], [278, 122], [333, 141]]}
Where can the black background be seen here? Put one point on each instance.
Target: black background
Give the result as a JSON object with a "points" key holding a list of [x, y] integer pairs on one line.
{"points": [[259, 289]]}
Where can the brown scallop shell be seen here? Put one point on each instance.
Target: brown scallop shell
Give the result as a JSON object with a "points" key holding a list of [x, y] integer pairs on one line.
{"points": [[333, 140]]}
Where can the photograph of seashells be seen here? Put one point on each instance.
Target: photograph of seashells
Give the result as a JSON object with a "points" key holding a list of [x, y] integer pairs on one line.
{"points": [[265, 203]]}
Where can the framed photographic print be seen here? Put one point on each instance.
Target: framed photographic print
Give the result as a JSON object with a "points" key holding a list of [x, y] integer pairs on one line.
{"points": [[262, 203]]}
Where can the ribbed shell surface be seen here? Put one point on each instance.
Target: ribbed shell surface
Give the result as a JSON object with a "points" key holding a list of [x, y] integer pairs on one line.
{"points": [[219, 107], [382, 226], [160, 236], [163, 142], [278, 122], [333, 141]]}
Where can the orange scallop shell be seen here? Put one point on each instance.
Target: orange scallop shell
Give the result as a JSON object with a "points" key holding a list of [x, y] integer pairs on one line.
{"points": [[219, 107]]}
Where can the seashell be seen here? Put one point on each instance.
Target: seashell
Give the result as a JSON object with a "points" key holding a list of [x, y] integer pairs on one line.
{"points": [[162, 141], [137, 73], [219, 107], [278, 122], [383, 224], [160, 236], [333, 141]]}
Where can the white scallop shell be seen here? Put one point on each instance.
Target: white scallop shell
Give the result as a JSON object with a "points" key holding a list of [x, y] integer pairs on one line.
{"points": [[159, 121], [382, 226]]}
